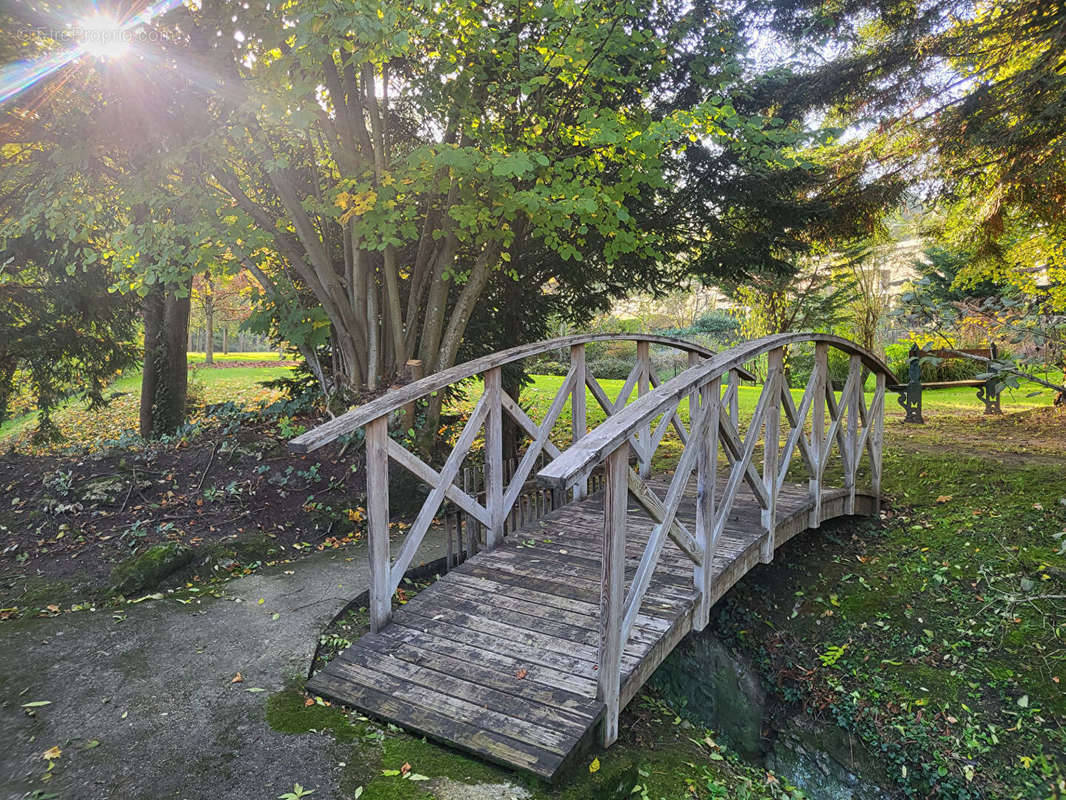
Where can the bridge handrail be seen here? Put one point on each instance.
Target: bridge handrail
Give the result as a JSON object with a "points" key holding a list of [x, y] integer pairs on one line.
{"points": [[396, 399], [591, 450], [714, 426], [489, 508]]}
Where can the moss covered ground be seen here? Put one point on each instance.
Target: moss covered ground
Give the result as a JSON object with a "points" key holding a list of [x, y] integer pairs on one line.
{"points": [[659, 755], [938, 633]]}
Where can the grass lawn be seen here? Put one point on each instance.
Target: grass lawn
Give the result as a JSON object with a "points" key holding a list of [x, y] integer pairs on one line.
{"points": [[265, 355], [80, 425]]}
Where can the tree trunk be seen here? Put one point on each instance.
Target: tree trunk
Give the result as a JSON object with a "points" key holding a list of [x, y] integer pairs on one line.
{"points": [[225, 340], [7, 386], [209, 334], [165, 380]]}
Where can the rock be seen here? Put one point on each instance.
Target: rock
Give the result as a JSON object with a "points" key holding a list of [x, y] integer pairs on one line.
{"points": [[104, 489], [716, 689], [448, 789], [146, 570], [826, 762]]}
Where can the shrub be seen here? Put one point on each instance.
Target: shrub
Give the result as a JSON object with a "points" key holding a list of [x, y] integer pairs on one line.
{"points": [[611, 367], [933, 369]]}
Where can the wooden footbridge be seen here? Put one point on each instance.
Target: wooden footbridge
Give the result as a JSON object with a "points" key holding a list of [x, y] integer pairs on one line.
{"points": [[576, 583]]}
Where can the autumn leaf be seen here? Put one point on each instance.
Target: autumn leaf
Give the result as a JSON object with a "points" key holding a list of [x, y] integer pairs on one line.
{"points": [[520, 674], [595, 765], [944, 498], [238, 678], [52, 753]]}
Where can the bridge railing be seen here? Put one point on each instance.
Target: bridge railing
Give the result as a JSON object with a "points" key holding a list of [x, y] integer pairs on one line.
{"points": [[714, 427], [503, 485]]}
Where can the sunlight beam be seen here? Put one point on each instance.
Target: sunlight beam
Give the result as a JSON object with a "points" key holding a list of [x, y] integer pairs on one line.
{"points": [[100, 37]]}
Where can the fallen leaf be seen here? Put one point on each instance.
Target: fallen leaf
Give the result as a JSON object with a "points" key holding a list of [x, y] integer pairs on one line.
{"points": [[238, 678], [520, 674], [37, 704], [309, 702], [255, 689], [944, 498], [595, 765], [405, 768], [52, 753]]}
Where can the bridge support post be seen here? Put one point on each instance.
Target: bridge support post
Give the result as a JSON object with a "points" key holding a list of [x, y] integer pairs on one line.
{"points": [[854, 419], [706, 487], [818, 444], [775, 361], [494, 456], [578, 412], [612, 589], [733, 391], [644, 434], [377, 521], [877, 438]]}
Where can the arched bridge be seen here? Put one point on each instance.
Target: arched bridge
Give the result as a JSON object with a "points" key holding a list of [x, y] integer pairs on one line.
{"points": [[581, 568]]}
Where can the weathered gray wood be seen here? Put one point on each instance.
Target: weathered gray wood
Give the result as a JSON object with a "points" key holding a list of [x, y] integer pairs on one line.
{"points": [[877, 438], [529, 426], [706, 484], [612, 597], [734, 449], [741, 464], [734, 397], [608, 407], [775, 361], [674, 419], [854, 415], [650, 560], [494, 501], [657, 510], [627, 388], [448, 473], [593, 449], [472, 525], [644, 431], [529, 458], [377, 522], [486, 743], [481, 667], [387, 403], [820, 376], [534, 611], [537, 640], [796, 419], [420, 469], [578, 409], [837, 418]]}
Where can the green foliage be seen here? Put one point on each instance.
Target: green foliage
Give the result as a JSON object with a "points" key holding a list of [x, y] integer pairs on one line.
{"points": [[65, 333], [719, 326], [967, 97]]}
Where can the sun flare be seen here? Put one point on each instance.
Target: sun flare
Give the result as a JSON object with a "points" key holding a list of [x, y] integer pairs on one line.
{"points": [[104, 37]]}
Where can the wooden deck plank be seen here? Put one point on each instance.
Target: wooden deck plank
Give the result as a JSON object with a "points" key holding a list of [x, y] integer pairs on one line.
{"points": [[499, 656]]}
